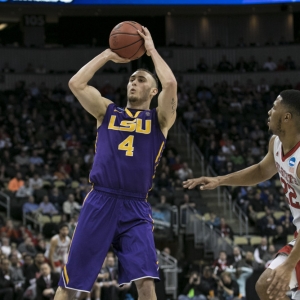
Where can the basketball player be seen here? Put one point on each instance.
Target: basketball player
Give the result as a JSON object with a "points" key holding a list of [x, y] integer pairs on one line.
{"points": [[129, 145], [59, 246], [283, 157]]}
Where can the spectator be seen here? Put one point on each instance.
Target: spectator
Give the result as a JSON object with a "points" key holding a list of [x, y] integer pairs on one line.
{"points": [[280, 237], [70, 206], [56, 198], [225, 229], [207, 277], [260, 251], [27, 247], [214, 220], [270, 65], [237, 255], [25, 190], [36, 182], [22, 159], [269, 255], [35, 159], [221, 263], [47, 283], [290, 64], [185, 172], [6, 284], [17, 276], [15, 183], [47, 208], [5, 247], [228, 288], [30, 207], [112, 289], [225, 65], [32, 273], [196, 289], [9, 231]]}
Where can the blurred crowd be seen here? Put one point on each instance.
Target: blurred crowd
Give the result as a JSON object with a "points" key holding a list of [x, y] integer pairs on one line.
{"points": [[46, 152]]}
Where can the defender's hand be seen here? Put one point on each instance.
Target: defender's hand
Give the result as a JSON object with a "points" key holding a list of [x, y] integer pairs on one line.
{"points": [[149, 44], [207, 183], [115, 57]]}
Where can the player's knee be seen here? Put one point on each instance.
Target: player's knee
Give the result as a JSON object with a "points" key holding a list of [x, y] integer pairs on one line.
{"points": [[63, 293], [145, 288]]}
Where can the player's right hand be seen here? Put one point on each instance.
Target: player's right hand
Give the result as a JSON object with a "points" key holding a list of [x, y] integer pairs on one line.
{"points": [[207, 183], [115, 57]]}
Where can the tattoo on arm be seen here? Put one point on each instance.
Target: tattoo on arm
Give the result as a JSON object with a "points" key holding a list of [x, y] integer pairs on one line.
{"points": [[173, 104]]}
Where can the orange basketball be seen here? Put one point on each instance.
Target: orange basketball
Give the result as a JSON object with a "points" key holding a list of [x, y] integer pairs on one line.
{"points": [[126, 41]]}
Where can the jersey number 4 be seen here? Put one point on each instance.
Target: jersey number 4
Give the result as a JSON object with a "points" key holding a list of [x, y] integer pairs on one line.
{"points": [[127, 145], [290, 194]]}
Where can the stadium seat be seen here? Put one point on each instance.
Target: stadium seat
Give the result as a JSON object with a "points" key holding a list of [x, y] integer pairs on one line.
{"points": [[260, 214], [240, 240], [74, 184], [207, 217], [59, 184], [278, 214], [255, 240], [42, 219], [56, 218], [47, 184]]}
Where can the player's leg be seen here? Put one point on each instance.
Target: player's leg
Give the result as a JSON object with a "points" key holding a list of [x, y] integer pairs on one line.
{"points": [[146, 289], [135, 248], [64, 294], [91, 241]]}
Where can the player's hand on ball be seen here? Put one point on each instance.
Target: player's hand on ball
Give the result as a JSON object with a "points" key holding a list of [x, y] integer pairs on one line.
{"points": [[279, 282], [149, 44], [116, 58], [207, 183]]}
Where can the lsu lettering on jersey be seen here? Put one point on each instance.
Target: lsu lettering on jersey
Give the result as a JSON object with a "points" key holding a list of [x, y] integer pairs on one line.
{"points": [[287, 169], [128, 149]]}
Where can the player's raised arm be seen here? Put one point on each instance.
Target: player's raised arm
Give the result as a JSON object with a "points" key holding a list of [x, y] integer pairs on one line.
{"points": [[167, 99], [89, 97], [246, 177]]}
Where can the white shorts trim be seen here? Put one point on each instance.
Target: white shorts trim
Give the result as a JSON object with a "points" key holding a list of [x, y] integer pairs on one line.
{"points": [[73, 288], [139, 279]]}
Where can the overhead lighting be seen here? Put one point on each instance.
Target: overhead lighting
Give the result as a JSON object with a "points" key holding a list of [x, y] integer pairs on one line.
{"points": [[3, 26]]}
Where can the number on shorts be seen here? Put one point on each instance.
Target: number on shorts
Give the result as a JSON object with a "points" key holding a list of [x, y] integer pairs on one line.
{"points": [[127, 145]]}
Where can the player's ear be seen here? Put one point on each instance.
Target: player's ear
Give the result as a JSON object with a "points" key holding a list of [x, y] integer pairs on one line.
{"points": [[287, 117], [154, 91]]}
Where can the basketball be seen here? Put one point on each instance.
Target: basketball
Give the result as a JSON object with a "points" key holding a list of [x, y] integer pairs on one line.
{"points": [[126, 41]]}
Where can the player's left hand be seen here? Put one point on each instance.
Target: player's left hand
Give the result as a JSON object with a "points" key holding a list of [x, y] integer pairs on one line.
{"points": [[279, 282], [149, 44]]}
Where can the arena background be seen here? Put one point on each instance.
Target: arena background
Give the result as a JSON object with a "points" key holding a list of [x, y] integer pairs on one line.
{"points": [[221, 125]]}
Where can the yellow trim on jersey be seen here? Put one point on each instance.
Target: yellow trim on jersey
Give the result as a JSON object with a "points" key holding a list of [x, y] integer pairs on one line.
{"points": [[66, 275], [129, 113], [159, 152]]}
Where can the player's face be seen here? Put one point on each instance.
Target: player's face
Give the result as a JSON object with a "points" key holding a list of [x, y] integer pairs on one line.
{"points": [[275, 115], [64, 231], [139, 87]]}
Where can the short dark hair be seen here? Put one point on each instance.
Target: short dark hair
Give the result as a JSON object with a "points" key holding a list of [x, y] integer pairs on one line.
{"points": [[62, 225], [152, 74], [291, 100]]}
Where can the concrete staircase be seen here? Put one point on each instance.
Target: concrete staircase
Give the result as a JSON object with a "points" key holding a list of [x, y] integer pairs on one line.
{"points": [[207, 201]]}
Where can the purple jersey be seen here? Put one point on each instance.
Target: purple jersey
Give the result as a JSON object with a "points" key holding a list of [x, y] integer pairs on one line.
{"points": [[129, 145]]}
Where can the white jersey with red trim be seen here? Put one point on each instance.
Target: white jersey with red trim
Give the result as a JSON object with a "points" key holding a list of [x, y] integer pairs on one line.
{"points": [[61, 250], [287, 169]]}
